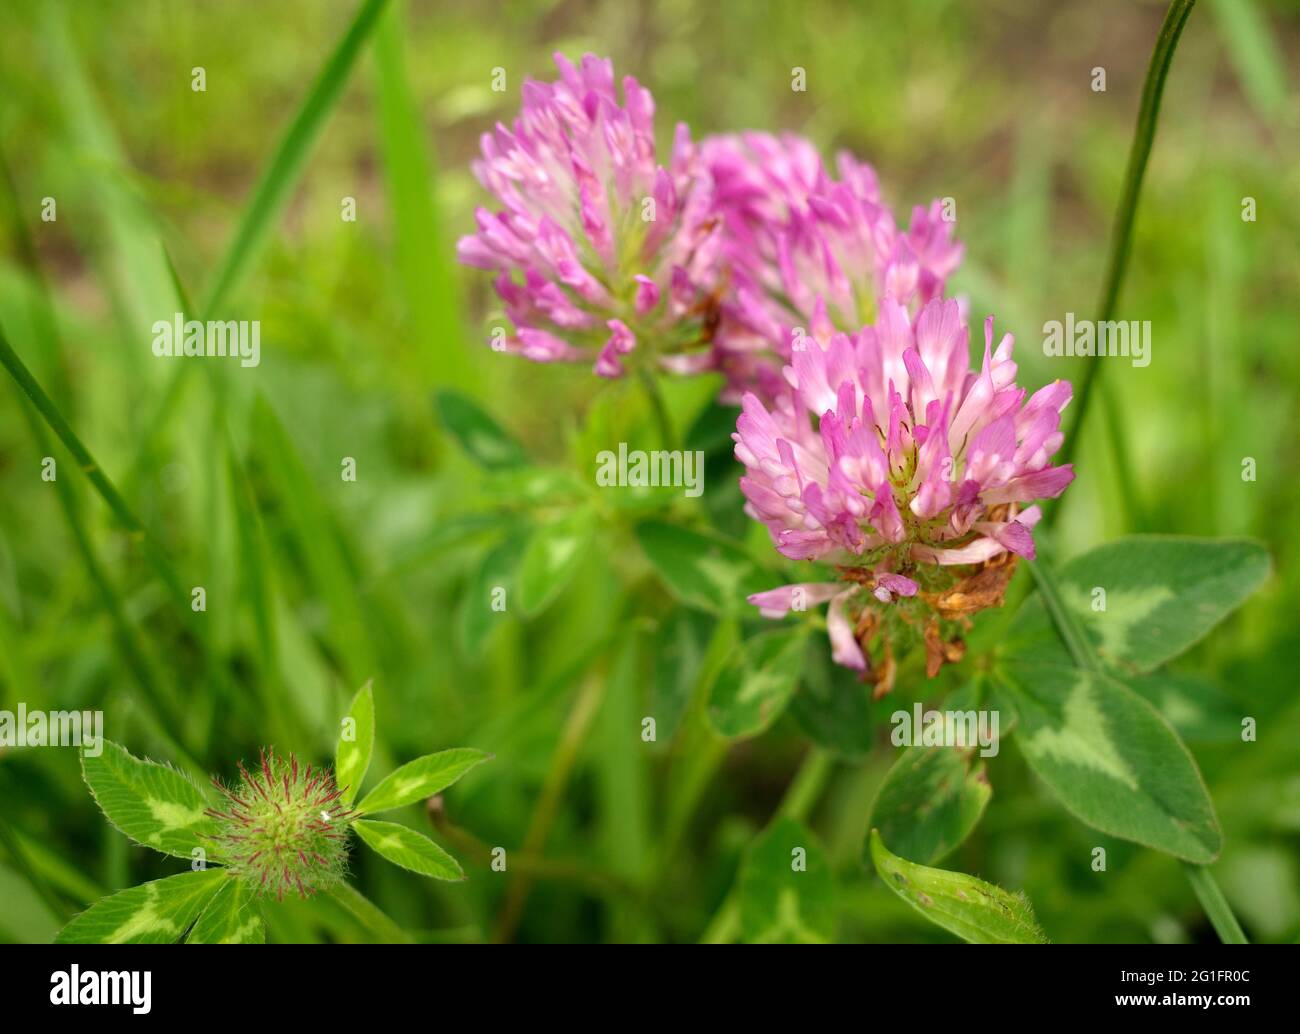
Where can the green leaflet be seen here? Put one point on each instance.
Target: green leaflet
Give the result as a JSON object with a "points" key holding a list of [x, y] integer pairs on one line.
{"points": [[421, 778], [786, 892], [526, 489], [409, 849], [1143, 600], [975, 911], [479, 435], [233, 916], [1194, 705], [480, 614], [552, 557], [757, 682], [356, 741], [679, 649], [832, 705], [931, 800], [152, 804], [933, 797], [1111, 759], [702, 571], [158, 912]]}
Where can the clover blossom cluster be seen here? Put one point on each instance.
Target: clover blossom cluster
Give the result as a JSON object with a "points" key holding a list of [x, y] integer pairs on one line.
{"points": [[870, 442]]}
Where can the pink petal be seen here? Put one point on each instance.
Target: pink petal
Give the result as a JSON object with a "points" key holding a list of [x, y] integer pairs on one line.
{"points": [[776, 603], [844, 647]]}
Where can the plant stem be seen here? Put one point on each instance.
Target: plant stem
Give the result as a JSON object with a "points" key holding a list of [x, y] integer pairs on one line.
{"points": [[662, 419], [1215, 904], [369, 915], [807, 785], [581, 714], [725, 924], [1122, 233], [698, 750], [1071, 634]]}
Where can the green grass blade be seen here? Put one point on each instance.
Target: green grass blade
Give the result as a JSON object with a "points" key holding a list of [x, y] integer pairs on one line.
{"points": [[311, 521], [1252, 49], [1122, 235], [424, 257], [273, 189]]}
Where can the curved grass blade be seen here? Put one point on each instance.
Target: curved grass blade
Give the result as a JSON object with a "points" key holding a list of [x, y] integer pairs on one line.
{"points": [[273, 189], [424, 264], [1122, 235]]}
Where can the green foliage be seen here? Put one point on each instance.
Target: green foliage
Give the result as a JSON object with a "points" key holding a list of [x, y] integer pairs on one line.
{"points": [[479, 617], [832, 705], [478, 434], [757, 681], [1161, 595], [158, 912], [232, 916], [679, 649], [1112, 759], [931, 800], [703, 571], [552, 558], [787, 895]]}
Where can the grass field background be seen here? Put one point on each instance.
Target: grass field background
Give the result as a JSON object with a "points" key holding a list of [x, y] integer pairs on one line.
{"points": [[220, 202]]}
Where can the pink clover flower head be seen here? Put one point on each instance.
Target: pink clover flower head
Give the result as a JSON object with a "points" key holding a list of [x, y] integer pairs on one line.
{"points": [[895, 461], [811, 253], [600, 253]]}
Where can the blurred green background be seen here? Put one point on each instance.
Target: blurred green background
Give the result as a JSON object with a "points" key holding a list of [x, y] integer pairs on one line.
{"points": [[315, 584]]}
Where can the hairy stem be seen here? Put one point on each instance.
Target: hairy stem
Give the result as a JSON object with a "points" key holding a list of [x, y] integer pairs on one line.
{"points": [[807, 785], [365, 911], [662, 420]]}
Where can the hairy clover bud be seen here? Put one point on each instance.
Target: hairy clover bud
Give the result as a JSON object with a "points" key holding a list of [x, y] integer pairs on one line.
{"points": [[284, 828]]}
